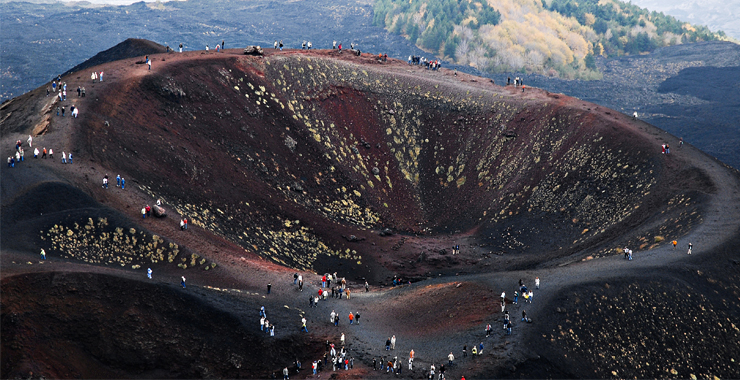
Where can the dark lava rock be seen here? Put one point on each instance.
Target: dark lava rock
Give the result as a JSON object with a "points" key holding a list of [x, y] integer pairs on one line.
{"points": [[385, 232]]}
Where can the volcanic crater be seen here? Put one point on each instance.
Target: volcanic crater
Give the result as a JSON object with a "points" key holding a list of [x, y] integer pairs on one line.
{"points": [[318, 162]]}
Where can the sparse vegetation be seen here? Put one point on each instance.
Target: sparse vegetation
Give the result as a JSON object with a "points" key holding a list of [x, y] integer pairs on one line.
{"points": [[100, 243]]}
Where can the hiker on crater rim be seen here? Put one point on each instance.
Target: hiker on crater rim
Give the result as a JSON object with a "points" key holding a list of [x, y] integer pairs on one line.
{"points": [[180, 47], [691, 246]]}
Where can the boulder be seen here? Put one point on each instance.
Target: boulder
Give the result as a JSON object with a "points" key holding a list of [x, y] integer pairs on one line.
{"points": [[159, 211], [253, 50]]}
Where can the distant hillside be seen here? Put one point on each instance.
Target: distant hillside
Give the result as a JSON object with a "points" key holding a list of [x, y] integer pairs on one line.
{"points": [[132, 47], [551, 37]]}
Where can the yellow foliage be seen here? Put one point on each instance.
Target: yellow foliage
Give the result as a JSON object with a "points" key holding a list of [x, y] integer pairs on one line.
{"points": [[590, 19]]}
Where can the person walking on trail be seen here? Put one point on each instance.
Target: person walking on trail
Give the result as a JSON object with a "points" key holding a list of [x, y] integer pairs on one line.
{"points": [[393, 342], [262, 323], [474, 351], [351, 318], [180, 47], [524, 316], [367, 287], [285, 374], [43, 254], [488, 330], [35, 152], [123, 186], [44, 153], [281, 45], [332, 315], [64, 157], [118, 180], [341, 340], [70, 157], [303, 324], [182, 282], [357, 317], [450, 358], [536, 282], [295, 278], [269, 286], [30, 141], [51, 151], [143, 213], [480, 348], [691, 246], [149, 62], [675, 243], [516, 297], [388, 344], [149, 273], [105, 182]]}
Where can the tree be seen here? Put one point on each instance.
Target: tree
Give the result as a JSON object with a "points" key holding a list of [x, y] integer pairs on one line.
{"points": [[590, 61]]}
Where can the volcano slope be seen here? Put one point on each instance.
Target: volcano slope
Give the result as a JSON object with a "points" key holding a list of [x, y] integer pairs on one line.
{"points": [[324, 161]]}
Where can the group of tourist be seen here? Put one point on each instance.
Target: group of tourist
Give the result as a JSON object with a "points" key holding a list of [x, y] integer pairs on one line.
{"points": [[20, 153]]}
